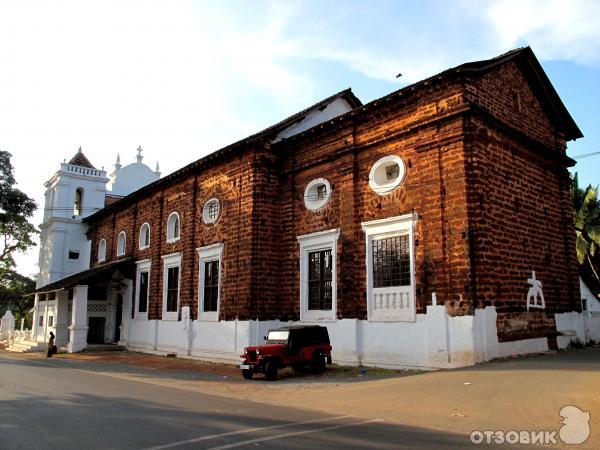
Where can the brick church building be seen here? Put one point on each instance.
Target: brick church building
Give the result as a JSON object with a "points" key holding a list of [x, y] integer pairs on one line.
{"points": [[428, 228]]}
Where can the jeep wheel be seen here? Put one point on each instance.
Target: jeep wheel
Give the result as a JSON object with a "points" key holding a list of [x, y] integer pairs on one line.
{"points": [[247, 373], [318, 363], [271, 370]]}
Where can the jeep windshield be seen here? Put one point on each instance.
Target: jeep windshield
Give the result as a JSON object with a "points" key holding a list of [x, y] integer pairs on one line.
{"points": [[278, 337]]}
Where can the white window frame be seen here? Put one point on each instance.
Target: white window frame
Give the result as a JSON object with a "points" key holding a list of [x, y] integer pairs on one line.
{"points": [[121, 251], [388, 187], [171, 260], [321, 240], [102, 250], [142, 245], [206, 254], [205, 218], [171, 228], [311, 201], [142, 266], [376, 229]]}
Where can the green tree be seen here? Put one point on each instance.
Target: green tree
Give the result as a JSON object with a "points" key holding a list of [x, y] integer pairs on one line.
{"points": [[14, 290], [16, 208], [586, 212]]}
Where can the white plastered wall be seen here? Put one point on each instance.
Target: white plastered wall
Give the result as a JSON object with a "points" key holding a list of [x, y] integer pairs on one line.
{"points": [[433, 340]]}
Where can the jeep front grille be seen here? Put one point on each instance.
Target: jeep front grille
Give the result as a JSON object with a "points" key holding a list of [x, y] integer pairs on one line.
{"points": [[251, 355]]}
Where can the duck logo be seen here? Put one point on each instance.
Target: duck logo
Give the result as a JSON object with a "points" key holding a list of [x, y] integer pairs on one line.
{"points": [[576, 427]]}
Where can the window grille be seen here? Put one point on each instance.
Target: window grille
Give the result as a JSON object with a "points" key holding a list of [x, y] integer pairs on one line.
{"points": [[391, 261], [213, 210], [211, 286], [172, 288], [319, 280]]}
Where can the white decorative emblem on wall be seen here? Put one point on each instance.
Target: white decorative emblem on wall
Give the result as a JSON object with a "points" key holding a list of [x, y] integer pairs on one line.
{"points": [[535, 296]]}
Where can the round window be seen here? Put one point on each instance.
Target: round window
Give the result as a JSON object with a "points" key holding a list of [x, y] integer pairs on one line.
{"points": [[211, 211], [386, 174], [317, 194]]}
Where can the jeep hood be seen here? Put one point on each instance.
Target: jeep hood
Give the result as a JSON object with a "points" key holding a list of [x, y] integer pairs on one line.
{"points": [[268, 349]]}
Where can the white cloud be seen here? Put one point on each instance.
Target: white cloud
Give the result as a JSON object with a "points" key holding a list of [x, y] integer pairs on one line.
{"points": [[556, 29], [111, 76]]}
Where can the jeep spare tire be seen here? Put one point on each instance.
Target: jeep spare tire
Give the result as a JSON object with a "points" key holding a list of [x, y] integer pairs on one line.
{"points": [[318, 363]]}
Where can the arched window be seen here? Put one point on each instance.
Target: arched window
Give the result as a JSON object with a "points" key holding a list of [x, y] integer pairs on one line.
{"points": [[102, 250], [78, 204], [173, 227], [145, 236], [121, 241]]}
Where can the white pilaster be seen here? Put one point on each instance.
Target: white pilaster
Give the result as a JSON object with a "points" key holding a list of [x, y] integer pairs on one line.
{"points": [[61, 318], [46, 319], [78, 329], [36, 317]]}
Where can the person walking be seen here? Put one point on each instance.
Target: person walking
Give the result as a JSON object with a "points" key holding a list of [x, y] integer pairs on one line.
{"points": [[51, 347]]}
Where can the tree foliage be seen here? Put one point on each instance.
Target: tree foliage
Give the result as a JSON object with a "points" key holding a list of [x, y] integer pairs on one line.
{"points": [[16, 208], [13, 294], [586, 215]]}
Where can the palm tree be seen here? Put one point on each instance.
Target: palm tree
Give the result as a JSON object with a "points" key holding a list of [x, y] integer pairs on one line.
{"points": [[586, 212]]}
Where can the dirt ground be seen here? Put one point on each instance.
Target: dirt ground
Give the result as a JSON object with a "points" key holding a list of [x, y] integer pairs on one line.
{"points": [[521, 393]]}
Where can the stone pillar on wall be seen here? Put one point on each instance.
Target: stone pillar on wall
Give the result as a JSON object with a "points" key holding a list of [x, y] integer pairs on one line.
{"points": [[62, 318], [187, 334], [111, 314], [35, 320], [125, 335], [79, 328], [437, 336]]}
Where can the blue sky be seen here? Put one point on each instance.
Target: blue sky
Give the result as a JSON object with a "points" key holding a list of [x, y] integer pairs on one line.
{"points": [[184, 78]]}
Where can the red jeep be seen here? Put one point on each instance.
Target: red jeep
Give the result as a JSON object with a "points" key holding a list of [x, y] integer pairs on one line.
{"points": [[299, 347]]}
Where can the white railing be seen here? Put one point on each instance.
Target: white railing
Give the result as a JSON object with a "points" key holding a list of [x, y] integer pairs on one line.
{"points": [[83, 170], [14, 336], [392, 304]]}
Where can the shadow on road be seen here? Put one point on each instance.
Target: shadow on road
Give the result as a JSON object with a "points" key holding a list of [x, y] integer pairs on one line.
{"points": [[91, 421]]}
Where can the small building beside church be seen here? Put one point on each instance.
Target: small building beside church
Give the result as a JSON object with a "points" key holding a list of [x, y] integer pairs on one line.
{"points": [[428, 228]]}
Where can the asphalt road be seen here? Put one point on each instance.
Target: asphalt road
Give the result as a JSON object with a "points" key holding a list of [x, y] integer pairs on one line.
{"points": [[49, 405]]}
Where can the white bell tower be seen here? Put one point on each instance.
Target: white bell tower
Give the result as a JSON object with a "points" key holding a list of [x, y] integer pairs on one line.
{"points": [[75, 191]]}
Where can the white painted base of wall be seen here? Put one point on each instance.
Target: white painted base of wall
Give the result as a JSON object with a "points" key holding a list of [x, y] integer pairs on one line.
{"points": [[435, 340], [584, 327]]}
